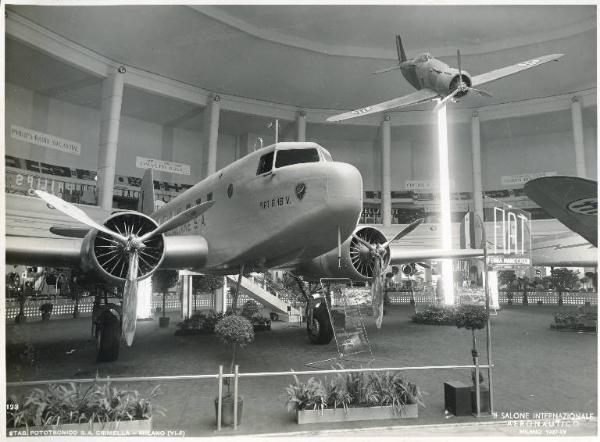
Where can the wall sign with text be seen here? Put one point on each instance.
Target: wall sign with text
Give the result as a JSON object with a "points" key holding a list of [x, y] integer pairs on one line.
{"points": [[519, 180], [163, 166], [44, 140]]}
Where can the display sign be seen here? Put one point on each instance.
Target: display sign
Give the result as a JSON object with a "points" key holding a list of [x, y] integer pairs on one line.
{"points": [[519, 180], [424, 184], [509, 242], [163, 166], [44, 140]]}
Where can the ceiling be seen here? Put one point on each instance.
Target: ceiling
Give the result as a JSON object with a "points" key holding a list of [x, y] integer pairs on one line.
{"points": [[306, 56]]}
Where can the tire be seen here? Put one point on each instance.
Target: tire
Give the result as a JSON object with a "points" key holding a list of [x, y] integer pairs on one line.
{"points": [[319, 330], [108, 336]]}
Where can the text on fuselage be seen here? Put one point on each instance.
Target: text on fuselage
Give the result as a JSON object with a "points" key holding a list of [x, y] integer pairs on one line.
{"points": [[276, 202]]}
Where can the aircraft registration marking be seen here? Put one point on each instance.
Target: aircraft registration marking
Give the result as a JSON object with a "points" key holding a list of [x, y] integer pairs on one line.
{"points": [[276, 202], [361, 111], [529, 62]]}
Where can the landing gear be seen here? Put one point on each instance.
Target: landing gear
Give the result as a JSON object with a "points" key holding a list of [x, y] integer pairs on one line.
{"points": [[108, 335], [318, 325]]}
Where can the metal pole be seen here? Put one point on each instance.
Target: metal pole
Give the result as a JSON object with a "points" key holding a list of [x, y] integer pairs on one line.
{"points": [[235, 397], [488, 331], [220, 400], [477, 388]]}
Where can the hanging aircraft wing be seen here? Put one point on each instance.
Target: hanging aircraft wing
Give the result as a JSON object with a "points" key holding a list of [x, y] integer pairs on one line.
{"points": [[416, 97], [573, 201], [509, 70], [401, 255]]}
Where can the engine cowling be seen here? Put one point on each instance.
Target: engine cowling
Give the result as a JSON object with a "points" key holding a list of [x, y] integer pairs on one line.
{"points": [[448, 82], [356, 263], [106, 257]]}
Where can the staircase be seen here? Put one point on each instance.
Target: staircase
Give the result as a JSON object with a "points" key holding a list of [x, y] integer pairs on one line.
{"points": [[258, 293]]}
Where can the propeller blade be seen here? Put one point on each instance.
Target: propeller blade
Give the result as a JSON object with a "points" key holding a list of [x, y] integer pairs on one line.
{"points": [[412, 226], [363, 242], [179, 220], [480, 92], [459, 69], [77, 214], [69, 232], [130, 299], [377, 293], [446, 99]]}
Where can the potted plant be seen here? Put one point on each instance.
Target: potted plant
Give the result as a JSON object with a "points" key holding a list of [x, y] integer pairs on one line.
{"points": [[474, 317], [46, 309], [353, 397], [163, 280], [77, 409], [236, 331]]}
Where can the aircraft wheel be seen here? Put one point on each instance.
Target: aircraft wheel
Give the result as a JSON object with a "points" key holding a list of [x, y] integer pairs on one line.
{"points": [[318, 326], [108, 335]]}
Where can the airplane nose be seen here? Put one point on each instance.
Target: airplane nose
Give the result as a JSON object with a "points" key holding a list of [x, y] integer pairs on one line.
{"points": [[345, 191]]}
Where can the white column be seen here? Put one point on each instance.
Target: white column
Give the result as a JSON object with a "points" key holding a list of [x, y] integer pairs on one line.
{"points": [[447, 275], [578, 137], [112, 97], [301, 125], [212, 125], [476, 155], [186, 297], [386, 167]]}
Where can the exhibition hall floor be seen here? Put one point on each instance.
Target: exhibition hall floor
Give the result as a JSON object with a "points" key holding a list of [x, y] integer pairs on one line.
{"points": [[536, 370]]}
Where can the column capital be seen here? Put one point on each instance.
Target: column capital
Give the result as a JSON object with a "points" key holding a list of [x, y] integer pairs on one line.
{"points": [[216, 98], [475, 114], [575, 99], [386, 117], [302, 113], [121, 69]]}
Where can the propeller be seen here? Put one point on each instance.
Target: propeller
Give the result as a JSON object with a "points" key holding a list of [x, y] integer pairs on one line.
{"points": [[132, 245], [378, 252], [462, 87]]}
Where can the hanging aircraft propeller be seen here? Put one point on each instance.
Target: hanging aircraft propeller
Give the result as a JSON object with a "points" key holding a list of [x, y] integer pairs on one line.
{"points": [[130, 245], [378, 252], [462, 87]]}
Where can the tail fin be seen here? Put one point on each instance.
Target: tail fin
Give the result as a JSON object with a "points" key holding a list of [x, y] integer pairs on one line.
{"points": [[400, 49], [146, 200]]}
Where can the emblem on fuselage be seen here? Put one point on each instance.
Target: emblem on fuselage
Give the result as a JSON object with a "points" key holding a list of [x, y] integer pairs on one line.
{"points": [[300, 190], [584, 206]]}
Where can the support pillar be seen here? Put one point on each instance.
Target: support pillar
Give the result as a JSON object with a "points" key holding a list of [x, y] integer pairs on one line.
{"points": [[112, 98], [386, 167], [578, 137], [187, 301], [301, 125], [476, 156], [212, 132]]}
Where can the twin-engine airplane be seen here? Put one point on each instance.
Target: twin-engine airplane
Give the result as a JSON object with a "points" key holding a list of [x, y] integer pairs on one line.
{"points": [[286, 206], [435, 79]]}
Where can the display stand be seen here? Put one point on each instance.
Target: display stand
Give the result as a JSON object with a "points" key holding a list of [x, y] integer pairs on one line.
{"points": [[347, 306]]}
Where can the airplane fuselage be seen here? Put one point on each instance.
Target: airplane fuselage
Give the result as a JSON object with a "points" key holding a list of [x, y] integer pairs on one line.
{"points": [[424, 71], [275, 207]]}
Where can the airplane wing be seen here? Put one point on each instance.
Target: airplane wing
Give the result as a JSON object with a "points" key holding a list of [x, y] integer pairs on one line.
{"points": [[416, 97], [509, 70], [573, 201], [401, 255]]}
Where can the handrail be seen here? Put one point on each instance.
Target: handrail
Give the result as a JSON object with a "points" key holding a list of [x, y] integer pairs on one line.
{"points": [[232, 375]]}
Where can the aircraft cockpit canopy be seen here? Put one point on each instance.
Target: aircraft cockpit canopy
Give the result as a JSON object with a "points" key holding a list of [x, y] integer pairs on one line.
{"points": [[289, 156], [424, 57]]}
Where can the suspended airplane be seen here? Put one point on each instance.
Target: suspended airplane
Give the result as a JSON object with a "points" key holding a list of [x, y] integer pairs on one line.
{"points": [[286, 206], [434, 79]]}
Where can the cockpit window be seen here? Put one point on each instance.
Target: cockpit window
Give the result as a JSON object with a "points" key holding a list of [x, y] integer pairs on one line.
{"points": [[296, 156], [326, 155], [424, 57], [265, 164]]}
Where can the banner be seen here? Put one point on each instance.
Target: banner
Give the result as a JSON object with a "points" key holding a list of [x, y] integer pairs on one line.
{"points": [[519, 180], [44, 140], [424, 184], [163, 166]]}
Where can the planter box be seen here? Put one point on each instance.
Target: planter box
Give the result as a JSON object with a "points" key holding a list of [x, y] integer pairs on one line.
{"points": [[123, 428], [355, 414]]}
